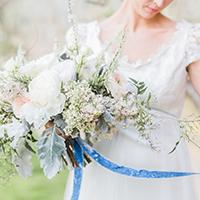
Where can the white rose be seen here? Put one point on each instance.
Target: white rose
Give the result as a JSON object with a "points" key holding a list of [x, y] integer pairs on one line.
{"points": [[66, 70], [117, 85], [35, 67], [45, 88], [45, 98]]}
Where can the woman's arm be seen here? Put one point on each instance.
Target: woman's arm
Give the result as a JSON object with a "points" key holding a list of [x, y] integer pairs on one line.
{"points": [[194, 75]]}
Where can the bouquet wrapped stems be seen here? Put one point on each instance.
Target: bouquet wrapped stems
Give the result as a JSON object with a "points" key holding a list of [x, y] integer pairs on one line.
{"points": [[69, 146]]}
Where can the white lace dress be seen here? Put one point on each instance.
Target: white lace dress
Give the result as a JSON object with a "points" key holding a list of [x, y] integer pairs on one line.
{"points": [[165, 74]]}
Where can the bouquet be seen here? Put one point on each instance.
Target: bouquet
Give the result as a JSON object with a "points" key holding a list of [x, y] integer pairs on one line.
{"points": [[62, 96]]}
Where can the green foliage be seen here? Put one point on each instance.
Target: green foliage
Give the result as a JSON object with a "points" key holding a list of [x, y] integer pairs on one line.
{"points": [[13, 187], [7, 169], [21, 78], [142, 118], [189, 128], [141, 87], [6, 113], [97, 82]]}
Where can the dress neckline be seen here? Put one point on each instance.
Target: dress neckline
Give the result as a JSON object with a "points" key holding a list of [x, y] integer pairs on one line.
{"points": [[140, 62]]}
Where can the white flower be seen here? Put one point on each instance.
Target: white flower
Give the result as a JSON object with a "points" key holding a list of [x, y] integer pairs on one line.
{"points": [[45, 88], [33, 115], [117, 85], [66, 70], [35, 67], [82, 108], [14, 130], [45, 98]]}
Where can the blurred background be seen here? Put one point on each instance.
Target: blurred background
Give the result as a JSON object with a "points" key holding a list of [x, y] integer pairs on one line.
{"points": [[36, 25]]}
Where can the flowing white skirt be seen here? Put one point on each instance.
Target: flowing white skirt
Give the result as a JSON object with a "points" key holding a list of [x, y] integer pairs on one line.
{"points": [[127, 149]]}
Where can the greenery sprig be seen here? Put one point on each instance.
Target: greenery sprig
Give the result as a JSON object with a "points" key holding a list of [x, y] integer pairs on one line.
{"points": [[190, 129]]}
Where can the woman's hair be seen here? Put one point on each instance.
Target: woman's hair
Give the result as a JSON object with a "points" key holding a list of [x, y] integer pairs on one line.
{"points": [[184, 9]]}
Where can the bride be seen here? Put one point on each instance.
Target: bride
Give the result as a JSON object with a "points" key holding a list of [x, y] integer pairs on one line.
{"points": [[163, 53]]}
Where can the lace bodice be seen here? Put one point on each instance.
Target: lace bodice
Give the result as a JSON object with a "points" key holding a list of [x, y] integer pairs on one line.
{"points": [[164, 72]]}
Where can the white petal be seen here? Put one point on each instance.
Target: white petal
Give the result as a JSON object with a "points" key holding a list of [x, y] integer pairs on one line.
{"points": [[22, 161], [66, 70]]}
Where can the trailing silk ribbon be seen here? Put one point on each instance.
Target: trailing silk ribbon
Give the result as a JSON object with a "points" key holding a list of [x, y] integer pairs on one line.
{"points": [[78, 171], [81, 147]]}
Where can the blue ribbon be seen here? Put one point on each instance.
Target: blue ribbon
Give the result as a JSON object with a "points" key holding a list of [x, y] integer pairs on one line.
{"points": [[78, 153], [78, 171], [78, 175], [85, 148]]}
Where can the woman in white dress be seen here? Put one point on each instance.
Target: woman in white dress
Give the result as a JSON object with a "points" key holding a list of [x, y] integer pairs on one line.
{"points": [[163, 53]]}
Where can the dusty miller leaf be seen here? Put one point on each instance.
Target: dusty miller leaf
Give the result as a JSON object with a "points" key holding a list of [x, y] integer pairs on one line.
{"points": [[50, 149]]}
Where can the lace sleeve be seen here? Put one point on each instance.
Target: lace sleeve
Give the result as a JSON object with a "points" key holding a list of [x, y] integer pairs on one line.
{"points": [[193, 45]]}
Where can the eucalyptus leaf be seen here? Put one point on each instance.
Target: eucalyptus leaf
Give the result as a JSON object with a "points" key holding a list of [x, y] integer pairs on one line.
{"points": [[50, 150], [133, 80], [142, 91]]}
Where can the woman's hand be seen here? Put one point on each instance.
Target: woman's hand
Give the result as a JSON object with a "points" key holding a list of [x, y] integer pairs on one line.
{"points": [[194, 75]]}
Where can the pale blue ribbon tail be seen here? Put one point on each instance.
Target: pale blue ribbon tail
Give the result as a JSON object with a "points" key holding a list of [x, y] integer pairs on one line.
{"points": [[81, 146]]}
